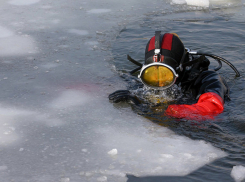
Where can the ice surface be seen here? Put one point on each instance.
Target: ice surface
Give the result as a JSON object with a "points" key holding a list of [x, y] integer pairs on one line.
{"points": [[238, 173], [11, 117], [70, 98], [56, 123], [163, 152], [64, 180], [78, 32], [4, 32], [98, 11], [102, 179], [16, 44], [23, 2]]}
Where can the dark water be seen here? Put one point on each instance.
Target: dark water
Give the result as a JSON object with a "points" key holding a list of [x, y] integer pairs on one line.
{"points": [[218, 30]]}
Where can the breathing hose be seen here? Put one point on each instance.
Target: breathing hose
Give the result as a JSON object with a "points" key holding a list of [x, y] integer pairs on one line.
{"points": [[219, 59]]}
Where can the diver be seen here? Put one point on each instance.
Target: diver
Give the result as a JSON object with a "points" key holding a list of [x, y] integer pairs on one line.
{"points": [[168, 62]]}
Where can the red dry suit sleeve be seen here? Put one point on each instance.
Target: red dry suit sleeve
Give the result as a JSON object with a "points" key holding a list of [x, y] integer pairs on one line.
{"points": [[209, 105]]}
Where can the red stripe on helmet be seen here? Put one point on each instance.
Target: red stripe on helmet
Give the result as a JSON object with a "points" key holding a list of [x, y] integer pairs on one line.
{"points": [[151, 44], [167, 41]]}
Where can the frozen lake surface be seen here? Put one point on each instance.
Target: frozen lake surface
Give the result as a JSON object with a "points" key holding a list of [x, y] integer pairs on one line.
{"points": [[59, 63]]}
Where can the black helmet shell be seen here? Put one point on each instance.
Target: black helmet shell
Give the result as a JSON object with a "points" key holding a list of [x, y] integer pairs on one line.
{"points": [[171, 46]]}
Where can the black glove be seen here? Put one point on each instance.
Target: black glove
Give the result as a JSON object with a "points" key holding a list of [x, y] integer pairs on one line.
{"points": [[123, 95]]}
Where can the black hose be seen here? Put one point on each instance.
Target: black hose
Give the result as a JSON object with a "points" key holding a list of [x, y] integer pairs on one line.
{"points": [[135, 70], [133, 61], [217, 58]]}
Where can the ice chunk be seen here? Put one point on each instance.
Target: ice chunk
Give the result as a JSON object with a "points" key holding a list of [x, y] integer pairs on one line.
{"points": [[113, 152], [162, 152], [179, 1], [223, 2], [238, 173], [23, 2], [203, 3]]}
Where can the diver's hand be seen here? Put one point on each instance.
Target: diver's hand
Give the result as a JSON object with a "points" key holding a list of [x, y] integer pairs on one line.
{"points": [[123, 95]]}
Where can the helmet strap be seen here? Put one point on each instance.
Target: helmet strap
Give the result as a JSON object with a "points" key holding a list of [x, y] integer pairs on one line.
{"points": [[157, 56]]}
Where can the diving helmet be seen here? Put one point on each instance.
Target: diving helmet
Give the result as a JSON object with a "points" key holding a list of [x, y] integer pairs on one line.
{"points": [[164, 55]]}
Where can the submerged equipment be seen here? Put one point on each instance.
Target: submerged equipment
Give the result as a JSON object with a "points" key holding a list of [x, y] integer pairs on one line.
{"points": [[161, 67]]}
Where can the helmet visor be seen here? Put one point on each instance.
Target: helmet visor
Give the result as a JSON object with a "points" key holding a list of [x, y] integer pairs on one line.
{"points": [[158, 76]]}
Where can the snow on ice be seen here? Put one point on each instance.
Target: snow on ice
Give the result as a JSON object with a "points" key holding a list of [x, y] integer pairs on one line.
{"points": [[15, 44]]}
